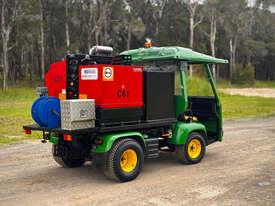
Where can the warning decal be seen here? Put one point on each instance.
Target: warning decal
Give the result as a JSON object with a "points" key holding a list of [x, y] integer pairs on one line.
{"points": [[89, 74], [108, 74]]}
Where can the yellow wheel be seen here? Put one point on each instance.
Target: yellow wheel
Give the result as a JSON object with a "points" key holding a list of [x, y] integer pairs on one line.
{"points": [[193, 150], [125, 160], [128, 160]]}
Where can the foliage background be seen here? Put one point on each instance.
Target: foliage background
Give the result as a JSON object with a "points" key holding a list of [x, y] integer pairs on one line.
{"points": [[244, 31]]}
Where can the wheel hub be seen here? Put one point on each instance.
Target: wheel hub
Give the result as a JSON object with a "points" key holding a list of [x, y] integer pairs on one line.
{"points": [[194, 148], [128, 160]]}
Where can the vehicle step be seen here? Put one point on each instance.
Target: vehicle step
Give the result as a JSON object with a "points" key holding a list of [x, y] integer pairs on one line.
{"points": [[152, 148], [152, 156]]}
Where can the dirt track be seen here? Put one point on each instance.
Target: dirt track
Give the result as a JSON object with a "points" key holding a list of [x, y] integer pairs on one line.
{"points": [[258, 92], [238, 171]]}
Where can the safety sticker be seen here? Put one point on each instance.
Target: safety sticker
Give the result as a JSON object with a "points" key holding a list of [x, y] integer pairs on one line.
{"points": [[137, 69], [89, 74], [108, 74]]}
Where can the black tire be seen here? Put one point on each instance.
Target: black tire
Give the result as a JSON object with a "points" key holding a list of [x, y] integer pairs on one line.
{"points": [[67, 162], [182, 153], [113, 169]]}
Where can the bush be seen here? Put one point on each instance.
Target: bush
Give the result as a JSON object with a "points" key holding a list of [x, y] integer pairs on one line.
{"points": [[244, 75]]}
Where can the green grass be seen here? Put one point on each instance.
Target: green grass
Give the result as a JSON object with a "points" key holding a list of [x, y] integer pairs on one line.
{"points": [[198, 87], [15, 106], [236, 106]]}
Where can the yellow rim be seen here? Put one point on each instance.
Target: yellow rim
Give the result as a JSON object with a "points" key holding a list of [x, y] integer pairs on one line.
{"points": [[194, 148], [128, 160]]}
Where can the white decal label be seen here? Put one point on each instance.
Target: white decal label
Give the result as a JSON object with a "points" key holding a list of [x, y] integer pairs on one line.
{"points": [[108, 74], [89, 74], [137, 70]]}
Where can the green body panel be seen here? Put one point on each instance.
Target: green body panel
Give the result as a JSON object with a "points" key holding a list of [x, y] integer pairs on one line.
{"points": [[182, 130], [210, 125], [109, 139], [181, 101], [219, 105], [180, 105], [53, 139], [169, 53]]}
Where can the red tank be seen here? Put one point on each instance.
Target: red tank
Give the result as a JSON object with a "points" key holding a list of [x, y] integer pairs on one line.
{"points": [[55, 78], [111, 86]]}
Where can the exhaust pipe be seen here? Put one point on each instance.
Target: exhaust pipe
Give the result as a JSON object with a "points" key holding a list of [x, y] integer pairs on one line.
{"points": [[105, 50]]}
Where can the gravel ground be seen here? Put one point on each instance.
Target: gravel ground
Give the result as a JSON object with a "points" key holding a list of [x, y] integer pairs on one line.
{"points": [[238, 171], [258, 92]]}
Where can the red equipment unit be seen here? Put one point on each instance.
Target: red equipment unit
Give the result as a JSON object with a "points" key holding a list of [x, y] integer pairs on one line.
{"points": [[117, 89], [55, 78], [112, 86]]}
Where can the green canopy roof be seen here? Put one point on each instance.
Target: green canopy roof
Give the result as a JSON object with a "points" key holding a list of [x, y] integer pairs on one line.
{"points": [[171, 52]]}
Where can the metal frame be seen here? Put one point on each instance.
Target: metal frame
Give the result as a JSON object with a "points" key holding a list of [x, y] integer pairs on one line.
{"points": [[100, 130]]}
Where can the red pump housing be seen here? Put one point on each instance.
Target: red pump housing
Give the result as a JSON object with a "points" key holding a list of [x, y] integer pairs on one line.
{"points": [[55, 78], [112, 86]]}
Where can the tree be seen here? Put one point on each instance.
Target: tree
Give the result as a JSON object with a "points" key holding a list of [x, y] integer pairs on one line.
{"points": [[192, 6], [91, 29], [67, 24], [8, 16], [158, 10], [130, 20], [42, 40], [211, 13], [235, 19], [32, 35]]}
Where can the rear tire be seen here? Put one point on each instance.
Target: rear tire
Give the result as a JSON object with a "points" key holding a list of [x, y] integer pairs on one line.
{"points": [[124, 161], [193, 150], [65, 161]]}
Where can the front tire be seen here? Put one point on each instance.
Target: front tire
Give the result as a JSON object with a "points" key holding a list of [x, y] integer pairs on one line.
{"points": [[124, 161], [193, 150], [66, 161]]}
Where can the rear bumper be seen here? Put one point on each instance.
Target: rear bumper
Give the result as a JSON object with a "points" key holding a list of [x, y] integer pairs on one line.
{"points": [[35, 127]]}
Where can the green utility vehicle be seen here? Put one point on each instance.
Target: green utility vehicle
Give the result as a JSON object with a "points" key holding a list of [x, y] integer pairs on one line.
{"points": [[167, 120], [199, 118]]}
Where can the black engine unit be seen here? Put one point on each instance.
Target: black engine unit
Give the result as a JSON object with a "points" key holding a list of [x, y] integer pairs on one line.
{"points": [[158, 94]]}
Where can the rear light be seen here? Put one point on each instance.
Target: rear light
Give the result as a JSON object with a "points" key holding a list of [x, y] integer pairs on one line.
{"points": [[98, 141], [67, 137], [62, 96], [27, 131], [83, 96]]}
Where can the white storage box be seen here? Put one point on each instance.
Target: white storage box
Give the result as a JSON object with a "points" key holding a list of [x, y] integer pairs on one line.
{"points": [[77, 114]]}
